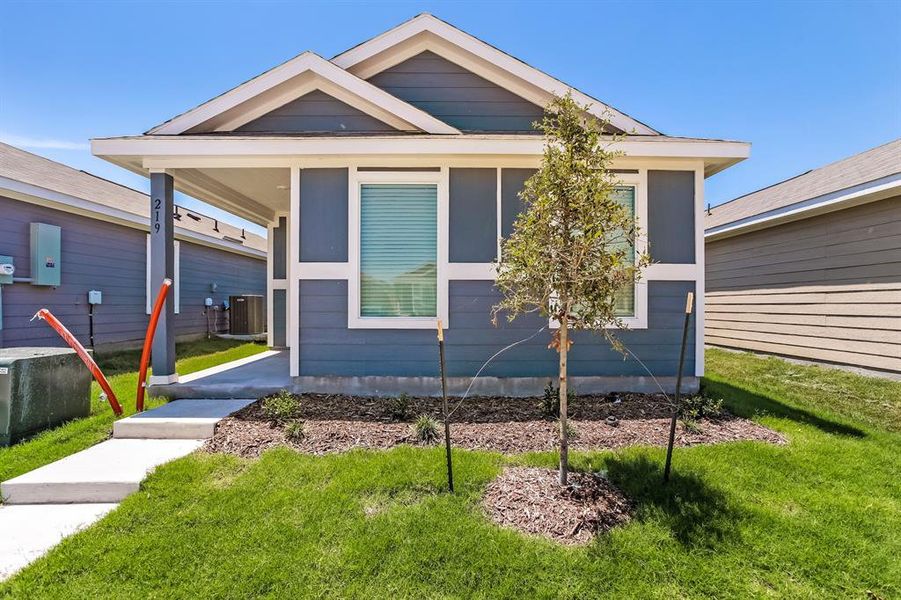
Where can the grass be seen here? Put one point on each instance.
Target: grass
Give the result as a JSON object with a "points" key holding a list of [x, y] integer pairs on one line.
{"points": [[120, 369], [819, 517]]}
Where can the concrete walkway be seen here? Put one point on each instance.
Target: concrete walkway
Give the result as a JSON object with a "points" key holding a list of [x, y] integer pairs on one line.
{"points": [[45, 505], [254, 376]]}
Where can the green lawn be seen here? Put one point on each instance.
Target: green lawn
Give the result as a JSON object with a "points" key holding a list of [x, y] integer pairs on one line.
{"points": [[121, 370], [817, 517]]}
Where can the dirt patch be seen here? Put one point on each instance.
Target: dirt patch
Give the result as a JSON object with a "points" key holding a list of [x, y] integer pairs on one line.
{"points": [[335, 423], [532, 500]]}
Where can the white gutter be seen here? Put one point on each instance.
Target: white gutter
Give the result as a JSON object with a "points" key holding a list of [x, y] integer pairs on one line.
{"points": [[870, 191]]}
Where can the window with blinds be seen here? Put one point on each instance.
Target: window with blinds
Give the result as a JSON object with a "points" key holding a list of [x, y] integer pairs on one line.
{"points": [[625, 298], [398, 250]]}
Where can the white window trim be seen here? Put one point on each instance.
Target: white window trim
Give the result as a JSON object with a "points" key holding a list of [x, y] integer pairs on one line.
{"points": [[359, 178], [640, 319], [149, 292]]}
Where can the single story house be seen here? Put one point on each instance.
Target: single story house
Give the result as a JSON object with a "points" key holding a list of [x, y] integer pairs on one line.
{"points": [[811, 267], [387, 176], [67, 233]]}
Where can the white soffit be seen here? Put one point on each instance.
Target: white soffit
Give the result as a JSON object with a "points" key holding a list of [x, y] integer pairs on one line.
{"points": [[426, 32], [293, 79]]}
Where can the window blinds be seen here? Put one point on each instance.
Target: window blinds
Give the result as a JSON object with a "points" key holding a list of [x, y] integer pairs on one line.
{"points": [[398, 250]]}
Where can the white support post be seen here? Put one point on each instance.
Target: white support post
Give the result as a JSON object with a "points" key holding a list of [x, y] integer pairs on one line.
{"points": [[699, 264], [270, 256], [292, 323]]}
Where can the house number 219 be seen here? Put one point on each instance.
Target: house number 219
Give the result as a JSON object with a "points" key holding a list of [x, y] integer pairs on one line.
{"points": [[156, 215]]}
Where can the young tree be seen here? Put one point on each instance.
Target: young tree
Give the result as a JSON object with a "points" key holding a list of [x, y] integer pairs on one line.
{"points": [[572, 248]]}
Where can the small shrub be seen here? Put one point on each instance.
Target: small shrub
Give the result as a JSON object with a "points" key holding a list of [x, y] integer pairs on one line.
{"points": [[281, 407], [425, 429], [294, 431], [399, 407], [699, 407], [571, 432], [690, 425], [550, 402]]}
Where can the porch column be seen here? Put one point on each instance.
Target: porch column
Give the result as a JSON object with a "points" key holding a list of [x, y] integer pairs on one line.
{"points": [[293, 320], [162, 266]]}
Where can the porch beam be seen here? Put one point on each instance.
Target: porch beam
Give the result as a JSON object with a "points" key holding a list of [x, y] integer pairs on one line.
{"points": [[162, 266]]}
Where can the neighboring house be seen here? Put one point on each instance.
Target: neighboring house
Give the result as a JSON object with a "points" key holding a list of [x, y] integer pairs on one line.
{"points": [[811, 267], [387, 176], [101, 244]]}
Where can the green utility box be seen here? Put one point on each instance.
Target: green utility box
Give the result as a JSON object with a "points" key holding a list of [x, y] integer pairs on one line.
{"points": [[40, 388], [45, 254]]}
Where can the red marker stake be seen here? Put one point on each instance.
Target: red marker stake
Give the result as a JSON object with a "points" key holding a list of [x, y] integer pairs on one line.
{"points": [[148, 341], [64, 333]]}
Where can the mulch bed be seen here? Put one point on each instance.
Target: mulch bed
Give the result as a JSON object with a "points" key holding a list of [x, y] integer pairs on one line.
{"points": [[532, 501], [336, 423]]}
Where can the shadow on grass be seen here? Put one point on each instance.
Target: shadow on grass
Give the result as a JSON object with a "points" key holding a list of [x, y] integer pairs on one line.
{"points": [[747, 404], [697, 514]]}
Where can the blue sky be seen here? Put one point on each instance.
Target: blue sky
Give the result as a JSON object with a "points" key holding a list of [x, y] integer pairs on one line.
{"points": [[806, 83]]}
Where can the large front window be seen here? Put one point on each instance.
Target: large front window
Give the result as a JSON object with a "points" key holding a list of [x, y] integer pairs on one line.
{"points": [[398, 250]]}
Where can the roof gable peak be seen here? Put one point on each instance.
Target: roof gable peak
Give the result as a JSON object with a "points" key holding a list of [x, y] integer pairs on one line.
{"points": [[427, 32]]}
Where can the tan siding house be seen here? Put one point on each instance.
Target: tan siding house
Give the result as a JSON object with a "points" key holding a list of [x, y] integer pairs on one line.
{"points": [[811, 267]]}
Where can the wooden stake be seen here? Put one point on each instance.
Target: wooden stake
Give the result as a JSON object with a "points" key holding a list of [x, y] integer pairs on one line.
{"points": [[689, 301], [447, 442]]}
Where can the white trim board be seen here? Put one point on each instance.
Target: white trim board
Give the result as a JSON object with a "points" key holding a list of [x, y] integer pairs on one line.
{"points": [[355, 180], [426, 32], [290, 80]]}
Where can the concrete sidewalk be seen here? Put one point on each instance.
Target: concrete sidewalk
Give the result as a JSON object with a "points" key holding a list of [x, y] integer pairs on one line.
{"points": [[45, 505]]}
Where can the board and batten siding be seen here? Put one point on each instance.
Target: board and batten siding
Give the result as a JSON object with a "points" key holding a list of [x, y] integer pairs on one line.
{"points": [[825, 288], [98, 255], [329, 348]]}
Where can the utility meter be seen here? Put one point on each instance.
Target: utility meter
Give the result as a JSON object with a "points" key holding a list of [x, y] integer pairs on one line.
{"points": [[95, 297], [208, 302]]}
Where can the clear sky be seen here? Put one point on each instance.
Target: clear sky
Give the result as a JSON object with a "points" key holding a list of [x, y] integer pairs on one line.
{"points": [[806, 83]]}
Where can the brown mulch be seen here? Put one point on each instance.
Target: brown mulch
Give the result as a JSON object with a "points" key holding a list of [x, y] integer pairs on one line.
{"points": [[532, 500], [336, 423]]}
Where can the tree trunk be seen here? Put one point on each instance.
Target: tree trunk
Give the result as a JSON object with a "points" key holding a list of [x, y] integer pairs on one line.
{"points": [[564, 437]]}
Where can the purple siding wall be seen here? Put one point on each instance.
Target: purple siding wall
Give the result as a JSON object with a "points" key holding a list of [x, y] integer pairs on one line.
{"points": [[110, 258]]}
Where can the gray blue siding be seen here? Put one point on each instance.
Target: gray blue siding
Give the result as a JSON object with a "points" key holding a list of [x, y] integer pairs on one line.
{"points": [[329, 348], [280, 249], [110, 258], [473, 215], [457, 96], [671, 216], [323, 215], [512, 182], [279, 316], [316, 112]]}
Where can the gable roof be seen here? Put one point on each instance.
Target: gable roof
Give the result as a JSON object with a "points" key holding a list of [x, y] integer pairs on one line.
{"points": [[427, 32], [875, 171], [23, 174], [290, 80]]}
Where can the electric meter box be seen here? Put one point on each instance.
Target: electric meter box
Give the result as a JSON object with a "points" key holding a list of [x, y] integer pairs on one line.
{"points": [[45, 254], [6, 272], [95, 297]]}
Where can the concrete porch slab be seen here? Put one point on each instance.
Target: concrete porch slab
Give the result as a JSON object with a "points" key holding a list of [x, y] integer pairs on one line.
{"points": [[251, 377], [30, 531], [179, 420], [107, 472]]}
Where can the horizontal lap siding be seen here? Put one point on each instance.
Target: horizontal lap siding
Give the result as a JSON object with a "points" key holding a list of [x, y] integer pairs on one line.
{"points": [[824, 288], [328, 347], [457, 96], [316, 112], [201, 266], [110, 258], [94, 255]]}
